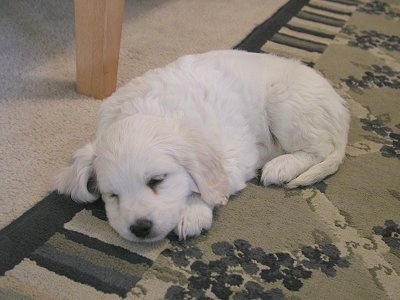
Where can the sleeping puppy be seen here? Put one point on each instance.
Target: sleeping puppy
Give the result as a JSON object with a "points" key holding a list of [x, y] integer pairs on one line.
{"points": [[178, 141]]}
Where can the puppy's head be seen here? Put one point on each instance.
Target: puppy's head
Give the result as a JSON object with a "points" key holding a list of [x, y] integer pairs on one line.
{"points": [[146, 168]]}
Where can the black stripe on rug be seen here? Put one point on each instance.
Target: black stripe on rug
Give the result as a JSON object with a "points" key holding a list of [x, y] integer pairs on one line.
{"points": [[264, 32], [106, 248], [30, 231]]}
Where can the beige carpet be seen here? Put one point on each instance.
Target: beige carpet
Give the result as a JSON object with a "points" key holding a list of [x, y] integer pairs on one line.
{"points": [[43, 119]]}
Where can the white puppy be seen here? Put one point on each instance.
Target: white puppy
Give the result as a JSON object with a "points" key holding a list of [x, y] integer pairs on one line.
{"points": [[173, 144]]}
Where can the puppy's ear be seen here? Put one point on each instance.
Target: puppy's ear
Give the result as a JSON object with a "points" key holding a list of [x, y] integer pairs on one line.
{"points": [[205, 165], [77, 179]]}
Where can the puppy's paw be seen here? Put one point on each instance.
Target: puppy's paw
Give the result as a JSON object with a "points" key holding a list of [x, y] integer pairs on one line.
{"points": [[279, 171], [197, 216]]}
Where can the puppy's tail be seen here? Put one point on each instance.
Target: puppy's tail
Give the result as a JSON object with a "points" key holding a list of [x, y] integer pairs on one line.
{"points": [[321, 170]]}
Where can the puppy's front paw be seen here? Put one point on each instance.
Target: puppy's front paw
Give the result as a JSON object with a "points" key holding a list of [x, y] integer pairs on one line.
{"points": [[196, 216]]}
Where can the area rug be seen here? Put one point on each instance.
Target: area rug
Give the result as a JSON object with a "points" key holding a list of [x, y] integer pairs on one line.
{"points": [[339, 239]]}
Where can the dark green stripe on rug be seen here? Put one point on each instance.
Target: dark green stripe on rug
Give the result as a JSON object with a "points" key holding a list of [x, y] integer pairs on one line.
{"points": [[310, 31], [304, 44], [112, 272], [332, 10], [308, 16]]}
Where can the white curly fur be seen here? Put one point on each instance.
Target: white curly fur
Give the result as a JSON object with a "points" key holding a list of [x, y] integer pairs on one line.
{"points": [[176, 142]]}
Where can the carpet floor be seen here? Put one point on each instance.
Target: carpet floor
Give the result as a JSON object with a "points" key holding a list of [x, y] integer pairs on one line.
{"points": [[339, 239]]}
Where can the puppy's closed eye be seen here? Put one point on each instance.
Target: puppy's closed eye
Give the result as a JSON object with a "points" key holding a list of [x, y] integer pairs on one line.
{"points": [[155, 181], [110, 197]]}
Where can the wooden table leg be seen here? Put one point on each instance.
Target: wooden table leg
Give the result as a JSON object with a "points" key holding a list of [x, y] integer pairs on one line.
{"points": [[98, 26]]}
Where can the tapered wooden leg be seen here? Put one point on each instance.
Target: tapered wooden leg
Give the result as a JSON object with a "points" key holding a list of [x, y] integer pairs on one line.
{"points": [[98, 26]]}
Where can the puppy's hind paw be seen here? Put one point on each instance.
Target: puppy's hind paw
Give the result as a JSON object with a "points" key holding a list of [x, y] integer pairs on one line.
{"points": [[196, 217], [283, 169], [276, 172]]}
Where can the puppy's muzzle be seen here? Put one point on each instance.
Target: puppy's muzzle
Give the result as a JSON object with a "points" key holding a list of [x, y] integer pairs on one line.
{"points": [[141, 228]]}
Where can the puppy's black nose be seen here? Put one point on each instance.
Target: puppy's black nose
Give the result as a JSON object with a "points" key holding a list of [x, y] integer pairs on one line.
{"points": [[141, 228]]}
